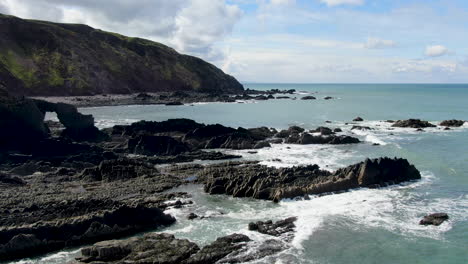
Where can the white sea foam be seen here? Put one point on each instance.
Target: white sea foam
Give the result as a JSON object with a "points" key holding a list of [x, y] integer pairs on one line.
{"points": [[390, 208], [287, 155]]}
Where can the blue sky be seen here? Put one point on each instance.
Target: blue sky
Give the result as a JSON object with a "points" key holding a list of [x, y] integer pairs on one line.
{"points": [[300, 41]]}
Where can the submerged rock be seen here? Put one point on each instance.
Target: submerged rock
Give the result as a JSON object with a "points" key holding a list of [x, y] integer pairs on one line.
{"points": [[412, 123], [308, 98], [434, 219]]}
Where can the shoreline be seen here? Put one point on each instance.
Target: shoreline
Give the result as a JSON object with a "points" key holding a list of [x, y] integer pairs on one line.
{"points": [[172, 98], [77, 185]]}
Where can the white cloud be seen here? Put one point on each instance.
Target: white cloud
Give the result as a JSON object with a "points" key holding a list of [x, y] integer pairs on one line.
{"points": [[342, 2], [376, 43], [283, 2], [436, 51]]}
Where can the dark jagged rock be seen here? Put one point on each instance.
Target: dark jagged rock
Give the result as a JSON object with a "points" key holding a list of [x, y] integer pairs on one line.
{"points": [[328, 98], [192, 216], [262, 133], [151, 248], [337, 130], [309, 97], [325, 131], [78, 127], [434, 219], [152, 127], [274, 228], [262, 182], [452, 123], [219, 249], [307, 139], [358, 119], [290, 131], [46, 236], [156, 145], [21, 121], [237, 140], [165, 248], [119, 169], [210, 131], [412, 123], [52, 59]]}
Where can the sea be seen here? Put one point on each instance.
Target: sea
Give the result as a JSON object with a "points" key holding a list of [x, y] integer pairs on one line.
{"points": [[360, 226]]}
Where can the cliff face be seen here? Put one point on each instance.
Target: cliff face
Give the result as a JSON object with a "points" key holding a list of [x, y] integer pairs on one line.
{"points": [[44, 58]]}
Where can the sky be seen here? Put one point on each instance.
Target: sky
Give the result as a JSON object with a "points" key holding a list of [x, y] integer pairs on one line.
{"points": [[289, 41]]}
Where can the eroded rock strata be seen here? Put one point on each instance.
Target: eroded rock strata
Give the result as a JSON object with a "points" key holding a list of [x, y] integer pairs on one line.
{"points": [[261, 182]]}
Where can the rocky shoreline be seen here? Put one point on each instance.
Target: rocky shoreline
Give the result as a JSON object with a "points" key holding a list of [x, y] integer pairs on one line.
{"points": [[71, 184], [173, 98]]}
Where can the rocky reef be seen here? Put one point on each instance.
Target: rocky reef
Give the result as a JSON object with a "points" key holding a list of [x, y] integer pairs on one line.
{"points": [[67, 183], [261, 182], [165, 248]]}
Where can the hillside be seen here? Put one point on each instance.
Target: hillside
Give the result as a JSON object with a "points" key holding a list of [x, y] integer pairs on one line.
{"points": [[44, 58]]}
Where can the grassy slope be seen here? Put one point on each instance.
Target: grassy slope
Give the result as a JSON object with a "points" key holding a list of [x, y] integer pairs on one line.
{"points": [[44, 58]]}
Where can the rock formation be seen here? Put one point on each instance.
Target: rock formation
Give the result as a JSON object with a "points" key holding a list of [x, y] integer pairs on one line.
{"points": [[268, 183]]}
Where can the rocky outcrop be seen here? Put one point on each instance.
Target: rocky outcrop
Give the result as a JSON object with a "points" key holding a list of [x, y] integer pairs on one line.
{"points": [[117, 220], [293, 130], [412, 123], [219, 249], [52, 59], [324, 131], [307, 139], [151, 248], [162, 248], [434, 219], [358, 119], [181, 125], [78, 127], [262, 182], [21, 121], [271, 228], [156, 145], [452, 123], [119, 169], [309, 97]]}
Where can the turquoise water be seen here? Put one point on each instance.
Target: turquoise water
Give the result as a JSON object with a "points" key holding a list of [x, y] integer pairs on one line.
{"points": [[362, 226]]}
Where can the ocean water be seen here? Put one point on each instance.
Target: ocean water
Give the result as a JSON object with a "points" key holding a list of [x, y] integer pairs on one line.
{"points": [[361, 226]]}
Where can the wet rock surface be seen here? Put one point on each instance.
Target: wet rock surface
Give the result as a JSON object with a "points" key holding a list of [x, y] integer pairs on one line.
{"points": [[274, 228], [434, 219], [412, 123], [452, 123], [164, 248], [261, 182]]}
